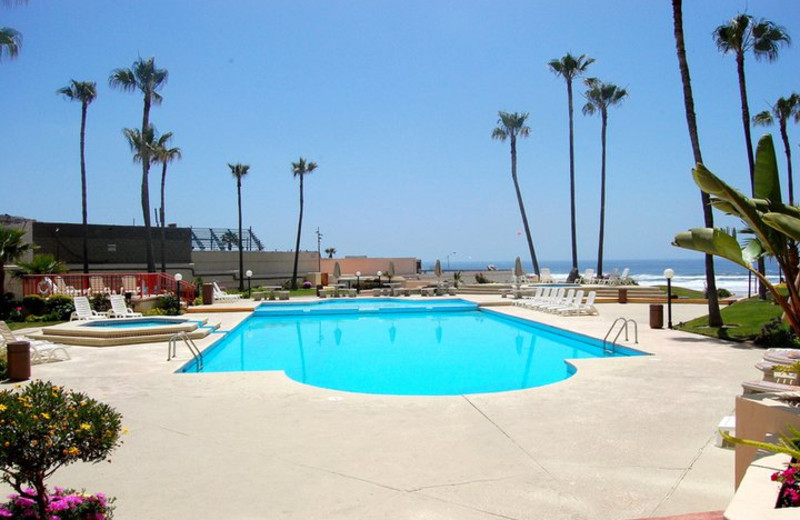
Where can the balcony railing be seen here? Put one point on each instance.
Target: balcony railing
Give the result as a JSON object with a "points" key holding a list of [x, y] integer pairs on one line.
{"points": [[136, 284]]}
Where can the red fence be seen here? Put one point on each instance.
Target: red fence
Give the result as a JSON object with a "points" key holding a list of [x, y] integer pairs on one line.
{"points": [[137, 284]]}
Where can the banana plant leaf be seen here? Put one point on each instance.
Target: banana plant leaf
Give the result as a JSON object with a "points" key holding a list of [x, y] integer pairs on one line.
{"points": [[719, 243]]}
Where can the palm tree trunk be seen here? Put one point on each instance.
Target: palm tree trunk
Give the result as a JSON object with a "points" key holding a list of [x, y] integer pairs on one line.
{"points": [[602, 194], [572, 179], [161, 213], [787, 149], [714, 315], [145, 154], [297, 243], [84, 203], [241, 253], [522, 206]]}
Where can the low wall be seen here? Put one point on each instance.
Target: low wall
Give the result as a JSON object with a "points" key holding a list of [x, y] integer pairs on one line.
{"points": [[370, 266], [267, 266]]}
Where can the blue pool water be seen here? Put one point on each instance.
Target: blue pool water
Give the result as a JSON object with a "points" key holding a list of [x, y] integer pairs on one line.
{"points": [[131, 323], [402, 347]]}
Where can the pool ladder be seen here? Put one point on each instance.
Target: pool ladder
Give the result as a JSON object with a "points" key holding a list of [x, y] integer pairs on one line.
{"points": [[187, 340], [623, 328]]}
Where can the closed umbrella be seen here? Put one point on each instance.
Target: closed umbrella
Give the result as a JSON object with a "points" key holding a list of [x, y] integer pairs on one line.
{"points": [[437, 269], [391, 269], [337, 271], [518, 271]]}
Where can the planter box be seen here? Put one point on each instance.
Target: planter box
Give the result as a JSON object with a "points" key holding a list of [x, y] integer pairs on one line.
{"points": [[757, 494]]}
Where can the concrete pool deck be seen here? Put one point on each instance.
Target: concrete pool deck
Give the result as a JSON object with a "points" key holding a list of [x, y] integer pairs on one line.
{"points": [[623, 438]]}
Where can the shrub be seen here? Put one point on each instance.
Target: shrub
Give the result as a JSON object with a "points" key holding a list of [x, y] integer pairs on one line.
{"points": [[154, 312], [100, 302], [34, 304], [3, 364], [44, 427], [776, 334], [16, 312], [481, 278], [60, 307], [307, 285], [63, 504], [170, 304]]}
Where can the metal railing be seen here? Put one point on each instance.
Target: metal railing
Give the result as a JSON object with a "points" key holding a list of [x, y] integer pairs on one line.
{"points": [[622, 328], [135, 284], [172, 348]]}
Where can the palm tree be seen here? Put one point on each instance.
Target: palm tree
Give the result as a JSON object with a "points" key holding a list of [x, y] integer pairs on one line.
{"points": [[741, 34], [239, 170], [137, 144], [165, 155], [146, 78], [229, 239], [11, 249], [714, 315], [85, 92], [783, 110], [301, 168], [570, 67], [599, 97], [10, 42], [510, 126], [330, 252]]}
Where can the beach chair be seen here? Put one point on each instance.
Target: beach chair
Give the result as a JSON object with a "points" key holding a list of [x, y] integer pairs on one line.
{"points": [[566, 301], [84, 311], [588, 277], [586, 308], [119, 309], [221, 295], [129, 285], [571, 306], [782, 356], [545, 276], [556, 295], [41, 351], [98, 286], [61, 287]]}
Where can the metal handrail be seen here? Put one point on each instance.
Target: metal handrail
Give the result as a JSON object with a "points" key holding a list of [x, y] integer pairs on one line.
{"points": [[624, 328], [172, 347]]}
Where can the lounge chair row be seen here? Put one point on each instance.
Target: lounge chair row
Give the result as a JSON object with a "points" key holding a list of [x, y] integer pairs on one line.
{"points": [[119, 309], [41, 351], [614, 278], [774, 378], [555, 300], [221, 295]]}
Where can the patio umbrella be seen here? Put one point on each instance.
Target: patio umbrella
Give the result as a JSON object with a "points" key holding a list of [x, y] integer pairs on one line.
{"points": [[437, 269], [391, 270], [518, 271], [337, 271]]}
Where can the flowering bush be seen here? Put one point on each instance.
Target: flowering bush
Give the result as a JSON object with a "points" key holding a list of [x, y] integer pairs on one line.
{"points": [[307, 285], [64, 504], [16, 314], [44, 427], [790, 491]]}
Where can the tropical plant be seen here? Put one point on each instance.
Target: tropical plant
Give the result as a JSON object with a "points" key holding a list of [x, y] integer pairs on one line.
{"points": [[229, 239], [239, 170], [510, 126], [773, 224], [714, 314], [782, 111], [330, 252], [43, 428], [301, 168], [569, 67], [10, 42], [146, 78], [163, 154], [85, 92], [12, 247], [42, 264], [600, 97]]}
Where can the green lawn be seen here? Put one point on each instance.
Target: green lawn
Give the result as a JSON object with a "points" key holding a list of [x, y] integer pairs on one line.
{"points": [[743, 320], [683, 292], [14, 325]]}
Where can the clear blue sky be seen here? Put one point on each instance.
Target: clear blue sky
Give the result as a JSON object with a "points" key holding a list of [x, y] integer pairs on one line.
{"points": [[396, 101]]}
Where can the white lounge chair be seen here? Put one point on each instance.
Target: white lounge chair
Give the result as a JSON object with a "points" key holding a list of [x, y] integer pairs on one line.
{"points": [[545, 276], [566, 300], [119, 309], [556, 296], [41, 351], [84, 311], [570, 306], [587, 307], [588, 277], [221, 295]]}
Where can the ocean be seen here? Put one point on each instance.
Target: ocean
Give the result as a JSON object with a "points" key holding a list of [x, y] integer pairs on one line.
{"points": [[689, 272]]}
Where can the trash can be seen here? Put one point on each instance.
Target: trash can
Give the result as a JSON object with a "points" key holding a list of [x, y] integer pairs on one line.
{"points": [[656, 316], [208, 294], [623, 296], [19, 360]]}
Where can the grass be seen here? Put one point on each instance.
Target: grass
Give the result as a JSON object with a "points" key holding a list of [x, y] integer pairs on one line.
{"points": [[16, 325], [682, 292], [743, 320]]}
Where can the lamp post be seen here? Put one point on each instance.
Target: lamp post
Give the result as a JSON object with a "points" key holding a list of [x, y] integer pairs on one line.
{"points": [[358, 282], [178, 278], [379, 279], [448, 259], [668, 274], [248, 274]]}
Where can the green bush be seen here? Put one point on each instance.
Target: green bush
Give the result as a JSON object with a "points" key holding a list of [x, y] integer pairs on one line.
{"points": [[3, 364], [34, 304], [59, 307], [481, 278], [44, 427], [154, 312], [776, 334], [100, 302], [170, 304]]}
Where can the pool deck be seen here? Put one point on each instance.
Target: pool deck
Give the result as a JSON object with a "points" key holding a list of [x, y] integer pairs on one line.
{"points": [[623, 438]]}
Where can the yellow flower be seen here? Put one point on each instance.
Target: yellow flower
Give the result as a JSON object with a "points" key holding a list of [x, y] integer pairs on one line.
{"points": [[86, 426], [3, 408], [72, 450], [45, 415], [125, 430], [34, 443]]}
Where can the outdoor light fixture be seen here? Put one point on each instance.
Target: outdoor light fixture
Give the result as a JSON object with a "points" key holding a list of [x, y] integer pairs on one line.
{"points": [[668, 274], [379, 278], [178, 278], [358, 281], [248, 274]]}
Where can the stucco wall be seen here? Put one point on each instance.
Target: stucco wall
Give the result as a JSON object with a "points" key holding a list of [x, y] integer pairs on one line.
{"points": [[370, 266]]}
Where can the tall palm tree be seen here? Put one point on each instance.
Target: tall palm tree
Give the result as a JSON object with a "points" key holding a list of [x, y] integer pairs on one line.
{"points": [[164, 155], [12, 248], [85, 92], [782, 111], [511, 126], [10, 42], [239, 170], [599, 98], [146, 78], [301, 168], [569, 67], [714, 315], [330, 252], [740, 35]]}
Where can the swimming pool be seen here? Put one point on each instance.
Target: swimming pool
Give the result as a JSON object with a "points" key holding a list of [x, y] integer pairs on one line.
{"points": [[402, 347], [133, 323]]}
